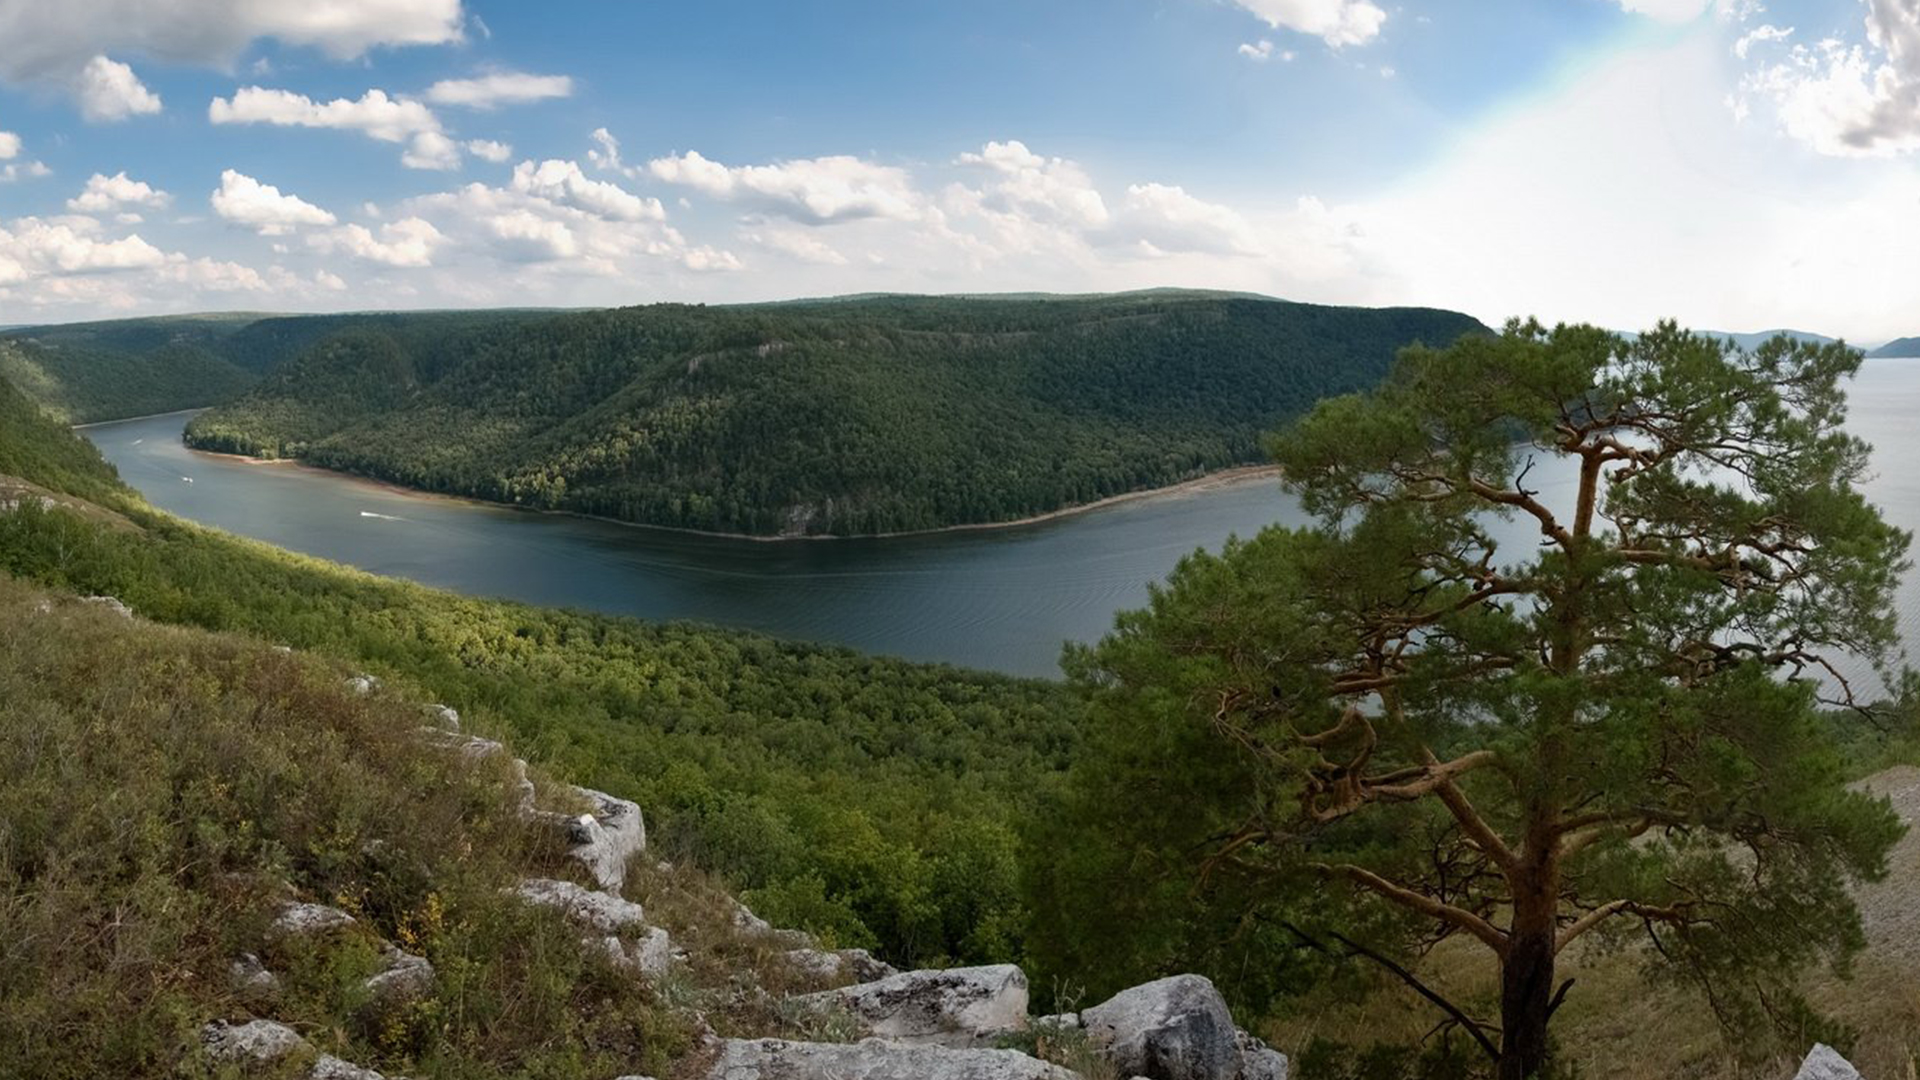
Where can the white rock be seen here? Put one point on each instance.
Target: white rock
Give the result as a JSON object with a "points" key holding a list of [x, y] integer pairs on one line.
{"points": [[251, 978], [112, 604], [858, 964], [1825, 1063], [653, 954], [592, 910], [1258, 1061], [406, 976], [1171, 1029], [779, 1059], [255, 1040], [328, 1067], [447, 715], [753, 925], [608, 837], [363, 684], [301, 920], [1068, 1021], [947, 1007]]}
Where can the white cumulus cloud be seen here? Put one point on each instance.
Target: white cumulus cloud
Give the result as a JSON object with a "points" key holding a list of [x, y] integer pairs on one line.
{"points": [[104, 194], [1848, 100], [562, 182], [262, 207], [10, 146], [499, 88], [488, 150], [1336, 22], [409, 242], [109, 90], [818, 191]]}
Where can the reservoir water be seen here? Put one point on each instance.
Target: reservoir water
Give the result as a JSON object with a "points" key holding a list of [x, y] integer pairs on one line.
{"points": [[1002, 599]]}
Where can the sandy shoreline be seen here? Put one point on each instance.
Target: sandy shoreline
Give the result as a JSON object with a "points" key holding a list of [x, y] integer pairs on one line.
{"points": [[1228, 477]]}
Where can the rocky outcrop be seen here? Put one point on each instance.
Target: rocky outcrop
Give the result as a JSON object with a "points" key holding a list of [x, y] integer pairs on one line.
{"points": [[779, 1059], [251, 980], [651, 955], [856, 965], [363, 684], [404, 978], [1825, 1063], [263, 1044], [1178, 1028], [950, 1007], [588, 909], [745, 921], [607, 838], [255, 1040], [111, 603], [299, 920]]}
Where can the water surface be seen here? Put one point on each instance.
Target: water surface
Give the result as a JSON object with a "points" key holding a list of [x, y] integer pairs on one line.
{"points": [[998, 599]]}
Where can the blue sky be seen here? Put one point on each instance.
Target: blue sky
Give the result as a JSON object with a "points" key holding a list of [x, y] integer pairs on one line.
{"points": [[1732, 163]]}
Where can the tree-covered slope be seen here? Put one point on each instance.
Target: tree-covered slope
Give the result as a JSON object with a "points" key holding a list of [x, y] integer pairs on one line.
{"points": [[1900, 348], [868, 415], [87, 372], [870, 800]]}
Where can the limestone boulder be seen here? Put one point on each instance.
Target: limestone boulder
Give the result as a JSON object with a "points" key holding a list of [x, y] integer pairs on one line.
{"points": [[942, 1007], [404, 978], [111, 603], [254, 1041], [608, 837], [302, 920], [1176, 1028], [874, 1059], [1825, 1063], [586, 908], [856, 965]]}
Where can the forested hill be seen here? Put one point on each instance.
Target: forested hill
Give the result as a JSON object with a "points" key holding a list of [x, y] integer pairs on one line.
{"points": [[1900, 348], [86, 372], [851, 416]]}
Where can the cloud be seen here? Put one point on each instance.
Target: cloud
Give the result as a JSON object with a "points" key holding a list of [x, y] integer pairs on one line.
{"points": [[1848, 100], [51, 42], [1336, 22], [1046, 189], [487, 150], [245, 201], [817, 191], [374, 114], [104, 194], [1263, 50], [562, 182], [10, 146], [499, 88], [606, 154], [1759, 35], [431, 150], [408, 242], [109, 90], [1165, 218], [1669, 11], [32, 246], [795, 244], [21, 170]]}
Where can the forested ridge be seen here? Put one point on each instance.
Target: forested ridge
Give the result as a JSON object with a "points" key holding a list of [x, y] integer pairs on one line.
{"points": [[855, 416], [89, 372]]}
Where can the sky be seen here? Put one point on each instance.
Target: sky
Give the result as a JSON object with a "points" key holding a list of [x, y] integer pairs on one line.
{"points": [[1734, 164]]}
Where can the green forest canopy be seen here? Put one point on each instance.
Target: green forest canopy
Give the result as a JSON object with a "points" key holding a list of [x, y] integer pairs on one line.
{"points": [[871, 415]]}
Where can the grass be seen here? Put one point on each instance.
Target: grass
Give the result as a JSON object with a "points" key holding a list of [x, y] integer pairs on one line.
{"points": [[168, 789]]}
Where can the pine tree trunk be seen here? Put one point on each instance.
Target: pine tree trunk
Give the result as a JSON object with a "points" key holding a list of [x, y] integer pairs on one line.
{"points": [[1526, 994]]}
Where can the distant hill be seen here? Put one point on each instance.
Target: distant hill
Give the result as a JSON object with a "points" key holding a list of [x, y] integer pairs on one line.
{"points": [[87, 372], [1902, 348], [840, 417], [1747, 342]]}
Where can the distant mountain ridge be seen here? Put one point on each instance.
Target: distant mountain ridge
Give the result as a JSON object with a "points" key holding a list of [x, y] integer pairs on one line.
{"points": [[1899, 348], [838, 417]]}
